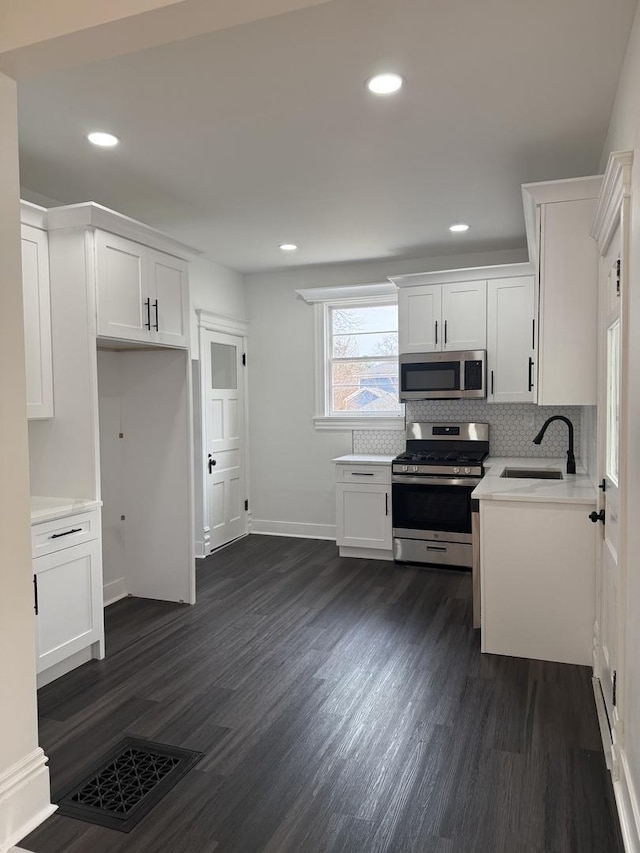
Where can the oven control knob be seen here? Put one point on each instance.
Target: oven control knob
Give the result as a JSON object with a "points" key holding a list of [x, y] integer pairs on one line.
{"points": [[456, 470], [415, 468], [467, 470], [405, 467]]}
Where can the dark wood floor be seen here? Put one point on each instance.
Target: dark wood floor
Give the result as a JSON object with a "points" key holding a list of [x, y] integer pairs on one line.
{"points": [[344, 707]]}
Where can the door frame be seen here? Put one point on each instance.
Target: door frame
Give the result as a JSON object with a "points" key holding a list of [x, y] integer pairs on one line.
{"points": [[613, 212], [226, 325]]}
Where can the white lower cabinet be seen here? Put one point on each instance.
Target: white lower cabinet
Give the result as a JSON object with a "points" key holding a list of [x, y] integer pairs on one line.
{"points": [[538, 580], [363, 511], [68, 596]]}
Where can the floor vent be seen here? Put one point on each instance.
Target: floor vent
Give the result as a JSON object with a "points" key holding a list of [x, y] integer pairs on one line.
{"points": [[124, 785]]}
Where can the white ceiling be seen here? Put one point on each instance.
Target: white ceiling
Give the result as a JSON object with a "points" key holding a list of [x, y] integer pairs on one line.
{"points": [[238, 140]]}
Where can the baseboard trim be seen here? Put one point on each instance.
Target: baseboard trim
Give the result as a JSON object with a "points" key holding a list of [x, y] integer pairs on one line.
{"points": [[64, 666], [24, 798], [114, 591], [366, 553], [296, 529], [628, 806]]}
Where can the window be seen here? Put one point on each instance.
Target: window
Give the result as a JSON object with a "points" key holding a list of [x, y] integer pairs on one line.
{"points": [[356, 357], [362, 363]]}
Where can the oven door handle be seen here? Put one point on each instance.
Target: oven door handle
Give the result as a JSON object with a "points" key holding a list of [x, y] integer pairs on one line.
{"points": [[469, 482]]}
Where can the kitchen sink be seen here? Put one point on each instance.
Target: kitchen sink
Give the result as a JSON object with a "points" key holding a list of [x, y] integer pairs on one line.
{"points": [[532, 473]]}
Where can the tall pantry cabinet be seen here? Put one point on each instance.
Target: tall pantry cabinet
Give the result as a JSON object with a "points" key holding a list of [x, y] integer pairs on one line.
{"points": [[121, 368]]}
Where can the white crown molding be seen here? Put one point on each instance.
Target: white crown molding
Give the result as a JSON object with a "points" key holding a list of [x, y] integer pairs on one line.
{"points": [[464, 274], [92, 215], [347, 292], [33, 214], [616, 187], [221, 322]]}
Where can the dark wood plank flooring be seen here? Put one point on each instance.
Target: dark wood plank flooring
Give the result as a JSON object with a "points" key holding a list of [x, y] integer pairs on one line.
{"points": [[344, 707]]}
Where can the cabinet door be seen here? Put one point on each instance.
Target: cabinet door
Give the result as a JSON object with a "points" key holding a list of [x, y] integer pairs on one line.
{"points": [[122, 288], [37, 322], [69, 597], [363, 516], [510, 340], [568, 305], [419, 319], [464, 315], [169, 287]]}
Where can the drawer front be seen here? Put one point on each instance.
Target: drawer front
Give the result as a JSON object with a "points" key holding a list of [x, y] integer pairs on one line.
{"points": [[364, 473], [50, 536]]}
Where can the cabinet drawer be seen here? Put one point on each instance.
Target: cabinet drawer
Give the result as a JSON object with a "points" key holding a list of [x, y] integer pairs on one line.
{"points": [[364, 474], [50, 536]]}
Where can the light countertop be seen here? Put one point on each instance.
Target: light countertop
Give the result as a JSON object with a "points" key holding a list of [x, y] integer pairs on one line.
{"points": [[48, 509], [364, 459], [573, 488]]}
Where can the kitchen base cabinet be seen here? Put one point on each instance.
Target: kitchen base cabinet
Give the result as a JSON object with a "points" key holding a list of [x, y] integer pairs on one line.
{"points": [[538, 580], [363, 511], [69, 624]]}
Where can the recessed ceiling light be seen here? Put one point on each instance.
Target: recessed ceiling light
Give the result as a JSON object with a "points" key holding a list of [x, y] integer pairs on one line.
{"points": [[385, 84], [460, 226], [104, 140], [288, 247]]}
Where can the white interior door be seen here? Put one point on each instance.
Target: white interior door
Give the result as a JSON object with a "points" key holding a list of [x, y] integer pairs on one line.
{"points": [[223, 397], [609, 614]]}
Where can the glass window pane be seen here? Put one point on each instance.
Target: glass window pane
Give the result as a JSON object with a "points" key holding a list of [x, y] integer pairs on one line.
{"points": [[224, 366], [366, 344], [613, 401], [369, 318], [365, 386]]}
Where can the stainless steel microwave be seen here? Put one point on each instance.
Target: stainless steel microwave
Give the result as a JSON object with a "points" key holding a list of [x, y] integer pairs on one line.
{"points": [[443, 375]]}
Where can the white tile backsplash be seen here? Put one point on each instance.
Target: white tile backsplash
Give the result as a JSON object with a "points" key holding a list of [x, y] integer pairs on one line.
{"points": [[512, 427]]}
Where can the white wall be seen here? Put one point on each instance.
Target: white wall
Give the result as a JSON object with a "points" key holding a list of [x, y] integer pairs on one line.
{"points": [[24, 779], [291, 474], [624, 134], [216, 289], [110, 409]]}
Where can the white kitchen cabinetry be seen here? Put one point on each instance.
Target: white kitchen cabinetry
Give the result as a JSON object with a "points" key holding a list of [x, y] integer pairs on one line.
{"points": [[559, 217], [141, 294], [511, 336], [67, 577], [538, 580], [363, 510], [442, 317], [37, 322]]}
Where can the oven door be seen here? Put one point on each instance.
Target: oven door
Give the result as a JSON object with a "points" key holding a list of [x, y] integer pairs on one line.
{"points": [[432, 507]]}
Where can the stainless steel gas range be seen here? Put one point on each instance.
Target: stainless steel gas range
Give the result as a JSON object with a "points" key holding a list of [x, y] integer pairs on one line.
{"points": [[431, 488]]}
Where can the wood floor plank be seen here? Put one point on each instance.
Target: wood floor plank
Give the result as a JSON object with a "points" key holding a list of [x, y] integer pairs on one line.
{"points": [[343, 706]]}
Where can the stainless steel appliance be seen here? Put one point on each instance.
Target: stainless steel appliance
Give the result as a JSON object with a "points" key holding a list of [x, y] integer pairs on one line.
{"points": [[431, 489], [443, 375]]}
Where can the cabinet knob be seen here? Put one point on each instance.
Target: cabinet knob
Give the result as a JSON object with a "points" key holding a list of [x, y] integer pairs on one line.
{"points": [[597, 516]]}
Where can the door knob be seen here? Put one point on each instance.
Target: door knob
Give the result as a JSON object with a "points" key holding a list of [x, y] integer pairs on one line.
{"points": [[211, 462], [597, 516]]}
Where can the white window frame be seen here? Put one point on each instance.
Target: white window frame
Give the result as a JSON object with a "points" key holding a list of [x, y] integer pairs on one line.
{"points": [[323, 299]]}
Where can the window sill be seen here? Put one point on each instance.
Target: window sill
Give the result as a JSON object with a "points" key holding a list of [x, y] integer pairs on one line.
{"points": [[351, 422]]}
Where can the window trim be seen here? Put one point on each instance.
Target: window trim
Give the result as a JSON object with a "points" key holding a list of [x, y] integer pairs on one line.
{"points": [[324, 299]]}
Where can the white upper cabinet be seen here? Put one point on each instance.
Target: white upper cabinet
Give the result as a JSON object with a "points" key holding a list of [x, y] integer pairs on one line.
{"points": [[142, 294], [559, 217], [37, 322], [436, 317], [464, 315], [169, 285], [420, 319], [123, 301], [511, 356]]}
